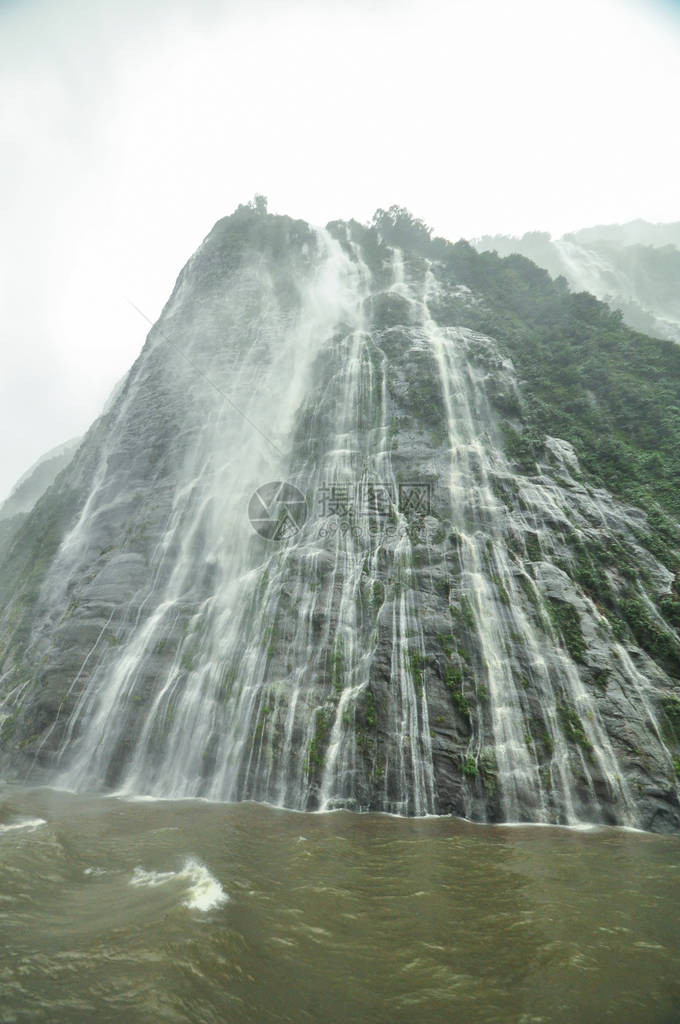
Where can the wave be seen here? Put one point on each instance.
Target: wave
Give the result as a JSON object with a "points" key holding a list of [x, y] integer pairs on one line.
{"points": [[204, 892], [31, 823]]}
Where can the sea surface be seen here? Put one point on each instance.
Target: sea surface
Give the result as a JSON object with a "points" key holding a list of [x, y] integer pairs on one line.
{"points": [[151, 911]]}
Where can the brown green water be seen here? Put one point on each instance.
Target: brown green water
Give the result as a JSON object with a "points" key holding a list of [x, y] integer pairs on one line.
{"points": [[329, 918]]}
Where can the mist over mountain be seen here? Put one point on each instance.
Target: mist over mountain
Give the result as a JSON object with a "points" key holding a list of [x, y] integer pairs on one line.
{"points": [[35, 481], [30, 488], [634, 232], [466, 596], [635, 267]]}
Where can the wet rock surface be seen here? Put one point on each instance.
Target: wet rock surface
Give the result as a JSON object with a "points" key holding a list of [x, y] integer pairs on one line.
{"points": [[448, 632]]}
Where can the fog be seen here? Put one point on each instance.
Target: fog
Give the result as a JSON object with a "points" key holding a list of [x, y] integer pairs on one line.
{"points": [[128, 129]]}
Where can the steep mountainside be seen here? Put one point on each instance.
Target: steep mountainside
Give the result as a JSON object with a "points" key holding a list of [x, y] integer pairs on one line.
{"points": [[30, 488], [635, 267], [479, 612]]}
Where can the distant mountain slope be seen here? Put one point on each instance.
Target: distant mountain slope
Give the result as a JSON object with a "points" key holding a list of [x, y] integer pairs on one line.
{"points": [[635, 267], [37, 479], [635, 232], [30, 487]]}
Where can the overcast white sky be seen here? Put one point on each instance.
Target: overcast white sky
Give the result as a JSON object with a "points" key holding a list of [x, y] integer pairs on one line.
{"points": [[129, 128]]}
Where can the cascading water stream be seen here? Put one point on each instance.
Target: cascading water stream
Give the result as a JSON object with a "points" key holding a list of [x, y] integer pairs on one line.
{"points": [[377, 658], [193, 740], [486, 574], [206, 528]]}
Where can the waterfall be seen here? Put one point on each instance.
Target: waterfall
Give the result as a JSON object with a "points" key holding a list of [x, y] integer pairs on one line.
{"points": [[403, 647], [163, 738]]}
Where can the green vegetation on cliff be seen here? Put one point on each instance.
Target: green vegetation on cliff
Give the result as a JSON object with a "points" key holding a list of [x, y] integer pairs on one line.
{"points": [[612, 392]]}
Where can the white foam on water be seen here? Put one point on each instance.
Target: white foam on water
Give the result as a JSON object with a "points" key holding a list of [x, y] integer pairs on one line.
{"points": [[136, 798], [31, 823], [151, 878], [204, 891], [579, 826]]}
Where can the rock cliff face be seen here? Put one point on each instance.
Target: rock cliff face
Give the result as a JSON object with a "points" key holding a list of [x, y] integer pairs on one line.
{"points": [[441, 633]]}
